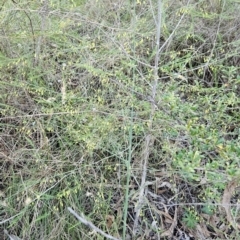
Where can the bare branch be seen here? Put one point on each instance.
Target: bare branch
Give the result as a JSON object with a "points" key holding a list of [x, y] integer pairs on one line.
{"points": [[149, 139], [90, 224], [43, 14]]}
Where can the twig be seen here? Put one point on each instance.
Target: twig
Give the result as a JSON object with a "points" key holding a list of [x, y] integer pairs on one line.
{"points": [[149, 139], [90, 224], [30, 21], [143, 181], [11, 236], [43, 15], [173, 32], [9, 219], [156, 63]]}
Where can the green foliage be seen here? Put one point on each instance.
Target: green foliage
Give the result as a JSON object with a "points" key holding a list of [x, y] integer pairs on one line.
{"points": [[190, 218], [209, 209], [76, 79]]}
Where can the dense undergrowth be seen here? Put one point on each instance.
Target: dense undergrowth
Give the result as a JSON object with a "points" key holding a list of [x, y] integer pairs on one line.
{"points": [[76, 80]]}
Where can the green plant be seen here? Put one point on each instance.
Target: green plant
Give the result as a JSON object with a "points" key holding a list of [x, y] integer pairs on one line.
{"points": [[190, 217], [95, 116]]}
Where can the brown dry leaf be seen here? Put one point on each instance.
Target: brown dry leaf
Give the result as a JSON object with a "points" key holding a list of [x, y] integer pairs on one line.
{"points": [[166, 214], [214, 222], [159, 192], [109, 220], [169, 232], [167, 184], [206, 216], [202, 231], [228, 192], [167, 220], [162, 173]]}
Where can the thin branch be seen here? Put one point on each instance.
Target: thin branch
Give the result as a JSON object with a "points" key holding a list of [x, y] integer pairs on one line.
{"points": [[174, 30], [156, 64], [143, 181], [11, 236], [43, 14], [30, 21], [90, 224], [9, 219], [149, 139]]}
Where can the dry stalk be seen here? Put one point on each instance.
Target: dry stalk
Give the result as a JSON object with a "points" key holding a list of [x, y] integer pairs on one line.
{"points": [[149, 139], [173, 32], [9, 219], [11, 236], [43, 14], [90, 224]]}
